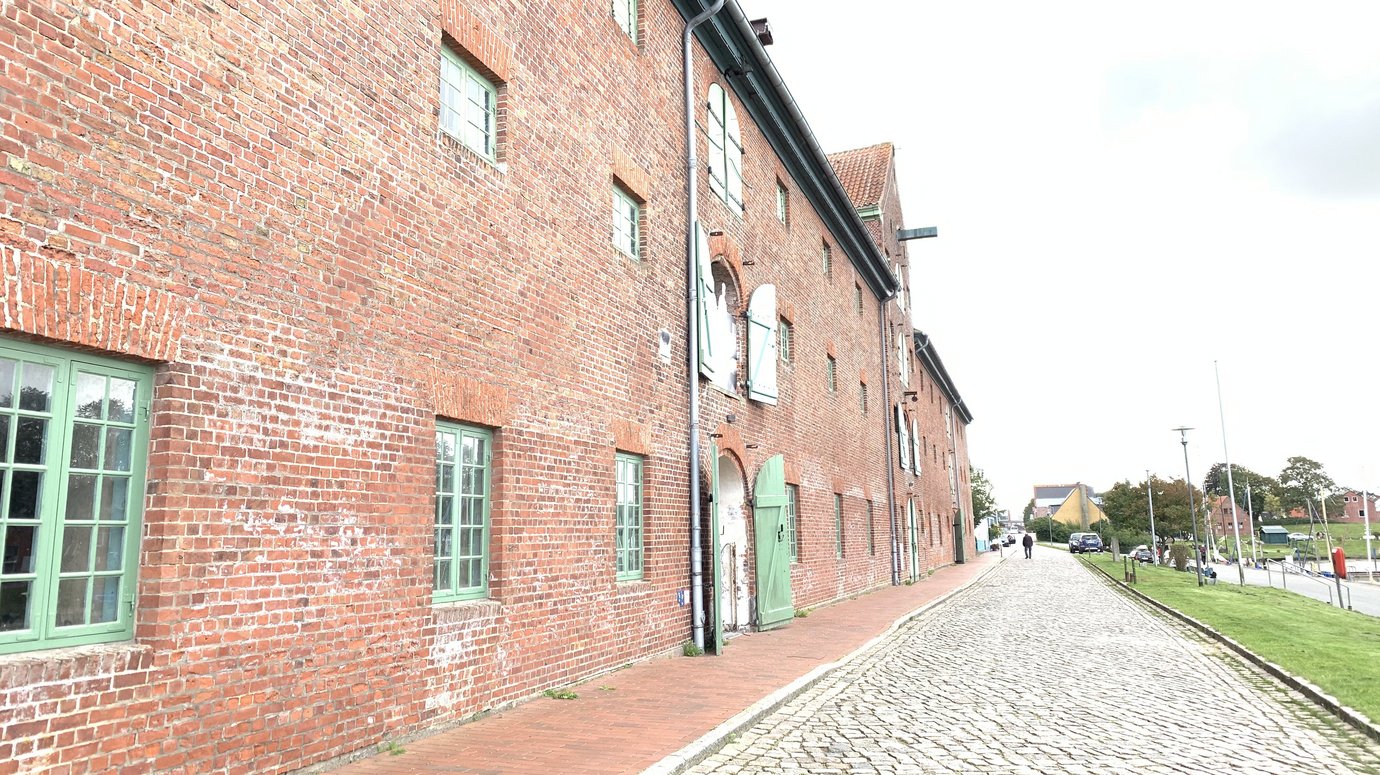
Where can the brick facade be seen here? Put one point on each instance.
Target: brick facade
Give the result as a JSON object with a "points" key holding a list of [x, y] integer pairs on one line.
{"points": [[256, 199]]}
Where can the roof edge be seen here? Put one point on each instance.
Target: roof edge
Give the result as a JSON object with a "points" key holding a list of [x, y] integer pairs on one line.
{"points": [[733, 47], [924, 349]]}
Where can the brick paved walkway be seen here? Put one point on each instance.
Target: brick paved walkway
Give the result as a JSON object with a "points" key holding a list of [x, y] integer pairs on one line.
{"points": [[626, 721]]}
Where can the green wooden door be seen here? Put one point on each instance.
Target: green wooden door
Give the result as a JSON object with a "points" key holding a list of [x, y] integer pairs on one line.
{"points": [[774, 605], [914, 542]]}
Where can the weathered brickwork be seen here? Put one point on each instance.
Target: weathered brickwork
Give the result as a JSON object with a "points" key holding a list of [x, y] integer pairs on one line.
{"points": [[257, 199]]}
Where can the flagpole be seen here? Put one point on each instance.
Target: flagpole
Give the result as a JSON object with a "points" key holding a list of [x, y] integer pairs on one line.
{"points": [[1231, 487], [1365, 510], [1250, 519], [1154, 539]]}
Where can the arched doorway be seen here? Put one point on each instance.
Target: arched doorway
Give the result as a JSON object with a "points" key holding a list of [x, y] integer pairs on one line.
{"points": [[731, 584]]}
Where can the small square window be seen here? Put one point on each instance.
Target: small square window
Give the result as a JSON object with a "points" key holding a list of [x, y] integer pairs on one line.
{"points": [[782, 201], [625, 16], [626, 215], [831, 374], [469, 105], [786, 335]]}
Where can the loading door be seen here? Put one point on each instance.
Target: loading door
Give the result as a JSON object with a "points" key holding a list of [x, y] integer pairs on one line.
{"points": [[774, 603]]}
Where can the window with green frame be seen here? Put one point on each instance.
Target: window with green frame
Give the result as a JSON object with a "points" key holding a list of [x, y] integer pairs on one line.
{"points": [[464, 457], [626, 215], [469, 105], [74, 433], [786, 332], [625, 16], [628, 517], [838, 525], [792, 520]]}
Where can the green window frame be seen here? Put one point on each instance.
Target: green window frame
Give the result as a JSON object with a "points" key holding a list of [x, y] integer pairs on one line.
{"points": [[74, 433], [838, 525], [628, 517], [831, 374], [793, 520], [787, 333], [464, 463], [627, 236], [625, 16], [469, 105]]}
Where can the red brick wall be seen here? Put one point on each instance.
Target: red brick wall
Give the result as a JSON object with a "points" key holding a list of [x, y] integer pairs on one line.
{"points": [[256, 198]]}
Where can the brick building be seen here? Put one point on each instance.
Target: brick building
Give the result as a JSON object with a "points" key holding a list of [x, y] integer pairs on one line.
{"points": [[1220, 517], [343, 368], [1356, 505]]}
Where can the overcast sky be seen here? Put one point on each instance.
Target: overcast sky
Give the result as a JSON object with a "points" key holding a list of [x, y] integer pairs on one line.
{"points": [[1126, 192]]}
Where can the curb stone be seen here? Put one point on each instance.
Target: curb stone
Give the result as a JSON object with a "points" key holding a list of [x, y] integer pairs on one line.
{"points": [[709, 743], [1353, 718]]}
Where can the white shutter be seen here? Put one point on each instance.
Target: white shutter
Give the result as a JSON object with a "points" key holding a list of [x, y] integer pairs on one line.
{"points": [[706, 304], [915, 444], [902, 438], [762, 345], [718, 173], [733, 153], [902, 361]]}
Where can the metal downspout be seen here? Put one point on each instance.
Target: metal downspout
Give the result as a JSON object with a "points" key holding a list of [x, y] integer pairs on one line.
{"points": [[693, 337], [887, 413]]}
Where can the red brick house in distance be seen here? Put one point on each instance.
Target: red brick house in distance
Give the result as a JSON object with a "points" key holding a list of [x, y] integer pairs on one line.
{"points": [[348, 384], [1357, 504], [1220, 517]]}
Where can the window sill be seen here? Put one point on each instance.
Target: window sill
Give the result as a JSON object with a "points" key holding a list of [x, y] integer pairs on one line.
{"points": [[452, 611], [463, 153], [41, 665]]}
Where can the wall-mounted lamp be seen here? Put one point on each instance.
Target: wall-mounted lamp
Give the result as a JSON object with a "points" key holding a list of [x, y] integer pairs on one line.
{"points": [[731, 418], [749, 262], [716, 435], [752, 446], [717, 233], [913, 395]]}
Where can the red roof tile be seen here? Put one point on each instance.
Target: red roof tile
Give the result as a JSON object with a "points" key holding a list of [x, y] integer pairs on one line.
{"points": [[863, 172]]}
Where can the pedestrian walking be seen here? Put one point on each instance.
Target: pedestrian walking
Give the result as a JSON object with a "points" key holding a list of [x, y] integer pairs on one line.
{"points": [[1027, 542]]}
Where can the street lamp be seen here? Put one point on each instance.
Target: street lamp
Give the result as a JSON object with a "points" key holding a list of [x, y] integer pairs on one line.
{"points": [[1192, 513]]}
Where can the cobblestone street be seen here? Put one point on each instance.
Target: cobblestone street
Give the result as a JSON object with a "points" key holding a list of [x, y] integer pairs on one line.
{"points": [[1043, 668]]}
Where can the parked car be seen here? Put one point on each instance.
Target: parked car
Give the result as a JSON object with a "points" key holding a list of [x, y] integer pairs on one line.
{"points": [[1142, 553], [1086, 542], [1009, 539]]}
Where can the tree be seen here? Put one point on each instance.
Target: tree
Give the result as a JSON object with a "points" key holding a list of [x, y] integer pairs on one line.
{"points": [[1029, 511], [1127, 506], [1261, 486], [984, 503], [1304, 480]]}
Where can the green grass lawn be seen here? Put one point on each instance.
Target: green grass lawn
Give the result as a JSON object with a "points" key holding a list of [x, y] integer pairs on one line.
{"points": [[1337, 650], [1349, 536]]}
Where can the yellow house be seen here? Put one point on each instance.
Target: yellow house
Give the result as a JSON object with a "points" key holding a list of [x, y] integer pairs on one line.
{"points": [[1078, 511]]}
